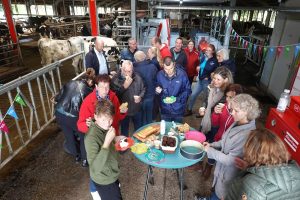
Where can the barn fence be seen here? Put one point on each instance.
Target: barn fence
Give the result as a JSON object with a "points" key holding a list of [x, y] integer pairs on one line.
{"points": [[36, 89]]}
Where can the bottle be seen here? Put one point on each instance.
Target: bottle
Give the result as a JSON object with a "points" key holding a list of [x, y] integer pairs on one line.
{"points": [[162, 127], [283, 101]]}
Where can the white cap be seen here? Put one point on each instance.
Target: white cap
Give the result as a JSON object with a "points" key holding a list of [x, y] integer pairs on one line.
{"points": [[286, 91]]}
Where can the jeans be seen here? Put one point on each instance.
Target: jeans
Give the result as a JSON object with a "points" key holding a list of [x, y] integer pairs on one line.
{"points": [[69, 128], [147, 109], [213, 196], [107, 192], [170, 118], [137, 123], [200, 86]]}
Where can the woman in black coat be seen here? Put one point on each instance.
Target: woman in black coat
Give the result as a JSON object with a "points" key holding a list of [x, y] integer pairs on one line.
{"points": [[67, 106]]}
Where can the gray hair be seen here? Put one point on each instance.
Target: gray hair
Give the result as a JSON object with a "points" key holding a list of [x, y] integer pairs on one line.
{"points": [[247, 103], [224, 53], [139, 56], [131, 39], [127, 63]]}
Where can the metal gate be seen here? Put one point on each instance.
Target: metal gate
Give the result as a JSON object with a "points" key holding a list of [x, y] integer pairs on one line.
{"points": [[26, 109]]}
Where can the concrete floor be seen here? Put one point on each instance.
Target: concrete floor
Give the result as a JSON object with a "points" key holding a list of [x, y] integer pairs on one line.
{"points": [[44, 171]]}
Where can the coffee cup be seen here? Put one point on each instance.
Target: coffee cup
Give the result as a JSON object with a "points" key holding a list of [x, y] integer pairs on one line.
{"points": [[157, 144], [136, 98], [201, 111], [220, 105]]}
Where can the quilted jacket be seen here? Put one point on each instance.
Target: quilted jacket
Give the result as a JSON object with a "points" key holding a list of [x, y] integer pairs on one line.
{"points": [[262, 183]]}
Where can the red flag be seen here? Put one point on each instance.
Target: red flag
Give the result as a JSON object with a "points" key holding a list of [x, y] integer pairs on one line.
{"points": [[3, 127], [259, 50], [246, 44], [278, 52]]}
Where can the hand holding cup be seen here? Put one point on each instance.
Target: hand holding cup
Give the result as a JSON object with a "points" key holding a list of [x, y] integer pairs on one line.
{"points": [[201, 111]]}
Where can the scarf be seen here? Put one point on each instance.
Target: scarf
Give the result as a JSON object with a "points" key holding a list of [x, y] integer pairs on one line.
{"points": [[214, 96]]}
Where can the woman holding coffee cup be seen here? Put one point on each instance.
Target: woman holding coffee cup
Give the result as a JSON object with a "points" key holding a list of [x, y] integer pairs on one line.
{"points": [[221, 118], [222, 77]]}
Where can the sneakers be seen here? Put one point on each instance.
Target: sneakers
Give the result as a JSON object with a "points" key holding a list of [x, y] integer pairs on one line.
{"points": [[77, 158], [201, 198], [84, 163]]}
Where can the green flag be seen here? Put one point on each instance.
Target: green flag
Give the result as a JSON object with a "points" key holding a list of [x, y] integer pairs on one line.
{"points": [[287, 51], [19, 100]]}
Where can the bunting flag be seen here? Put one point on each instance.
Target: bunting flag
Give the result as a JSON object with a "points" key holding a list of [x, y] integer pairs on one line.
{"points": [[287, 51], [297, 48], [265, 52], [20, 100], [3, 127], [260, 50], [243, 45], [278, 52], [250, 47], [254, 49], [246, 44], [11, 111], [0, 146]]}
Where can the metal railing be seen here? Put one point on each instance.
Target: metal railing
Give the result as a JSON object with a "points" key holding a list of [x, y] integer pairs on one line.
{"points": [[36, 89]]}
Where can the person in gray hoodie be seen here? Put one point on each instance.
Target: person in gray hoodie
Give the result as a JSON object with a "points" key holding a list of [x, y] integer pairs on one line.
{"points": [[244, 110]]}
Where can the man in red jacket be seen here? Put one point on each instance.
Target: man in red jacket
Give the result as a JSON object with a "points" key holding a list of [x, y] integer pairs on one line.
{"points": [[163, 47], [87, 109]]}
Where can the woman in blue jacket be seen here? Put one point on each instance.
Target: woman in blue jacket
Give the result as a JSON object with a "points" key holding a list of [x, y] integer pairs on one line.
{"points": [[208, 64]]}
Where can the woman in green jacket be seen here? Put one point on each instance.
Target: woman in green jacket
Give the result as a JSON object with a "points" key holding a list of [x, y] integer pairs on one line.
{"points": [[269, 175]]}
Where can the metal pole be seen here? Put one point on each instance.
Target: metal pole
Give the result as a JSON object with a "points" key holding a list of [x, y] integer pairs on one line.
{"points": [[45, 7], [133, 18], [94, 17], [228, 30], [10, 22]]}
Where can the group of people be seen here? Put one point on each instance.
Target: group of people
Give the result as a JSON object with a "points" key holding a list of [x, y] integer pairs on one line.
{"points": [[90, 114]]}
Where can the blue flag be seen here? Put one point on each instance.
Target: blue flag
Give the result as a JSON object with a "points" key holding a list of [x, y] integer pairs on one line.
{"points": [[297, 48], [11, 111]]}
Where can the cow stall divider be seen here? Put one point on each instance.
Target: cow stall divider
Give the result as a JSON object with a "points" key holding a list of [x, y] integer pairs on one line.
{"points": [[36, 89]]}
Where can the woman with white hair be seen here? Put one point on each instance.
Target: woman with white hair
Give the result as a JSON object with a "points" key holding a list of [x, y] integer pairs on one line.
{"points": [[223, 60], [244, 110]]}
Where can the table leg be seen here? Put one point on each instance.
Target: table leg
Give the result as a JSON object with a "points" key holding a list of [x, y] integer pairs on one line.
{"points": [[147, 181], [184, 185], [181, 181], [151, 178]]}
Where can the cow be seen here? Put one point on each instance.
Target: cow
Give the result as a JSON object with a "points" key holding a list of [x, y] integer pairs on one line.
{"points": [[52, 50]]}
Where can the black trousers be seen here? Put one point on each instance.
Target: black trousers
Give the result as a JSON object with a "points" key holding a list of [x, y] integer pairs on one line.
{"points": [[71, 133], [109, 192]]}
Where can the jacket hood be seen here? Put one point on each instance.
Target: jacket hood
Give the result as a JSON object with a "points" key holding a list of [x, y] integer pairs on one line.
{"points": [[282, 176]]}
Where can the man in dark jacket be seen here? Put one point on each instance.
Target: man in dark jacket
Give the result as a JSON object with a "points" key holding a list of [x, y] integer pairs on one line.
{"points": [[148, 72], [172, 81], [178, 55], [128, 53], [129, 88], [96, 58]]}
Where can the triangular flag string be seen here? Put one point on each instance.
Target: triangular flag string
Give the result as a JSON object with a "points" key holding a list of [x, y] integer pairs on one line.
{"points": [[242, 42]]}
